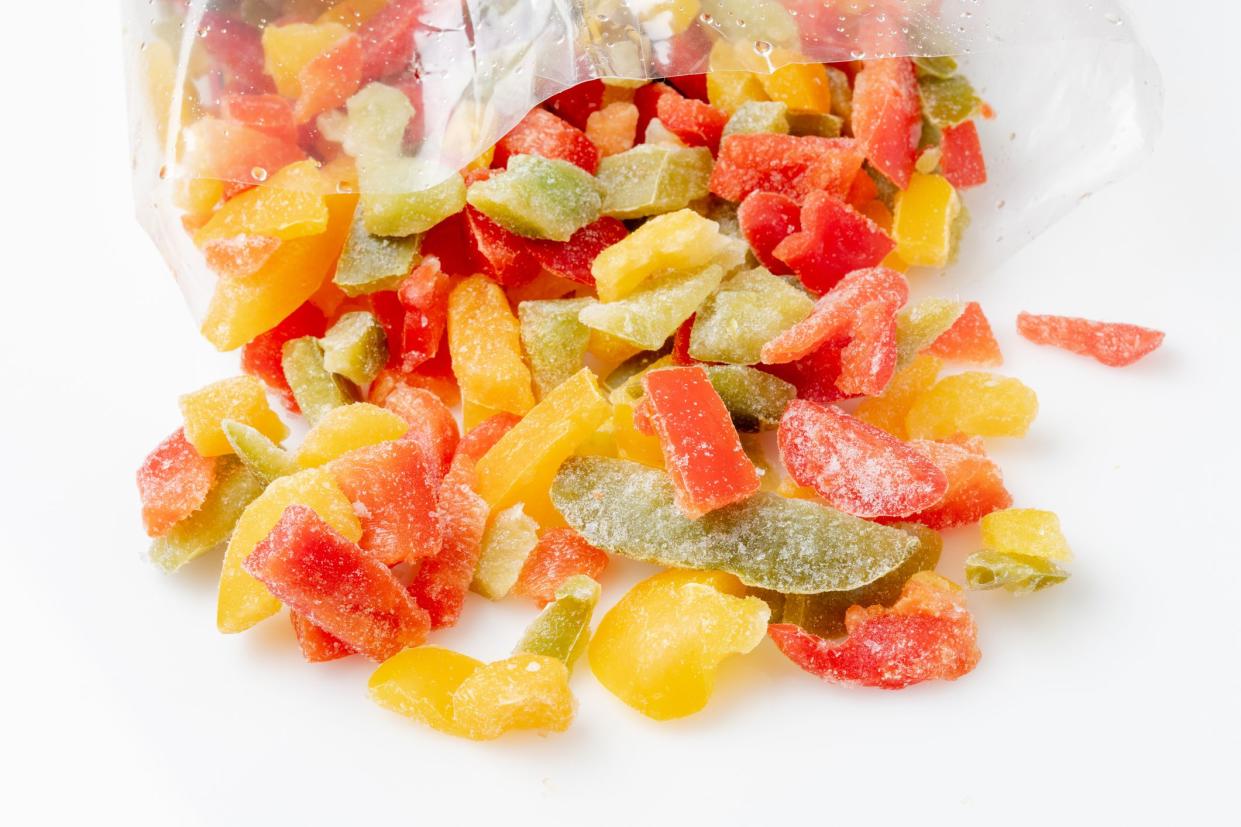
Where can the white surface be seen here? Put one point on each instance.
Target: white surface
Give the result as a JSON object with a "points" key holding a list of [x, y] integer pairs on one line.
{"points": [[1112, 695]]}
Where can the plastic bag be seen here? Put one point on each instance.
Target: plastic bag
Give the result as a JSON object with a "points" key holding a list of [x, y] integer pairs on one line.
{"points": [[1077, 98]]}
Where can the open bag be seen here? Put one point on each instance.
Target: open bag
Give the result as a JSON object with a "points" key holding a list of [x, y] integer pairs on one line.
{"points": [[1076, 99]]}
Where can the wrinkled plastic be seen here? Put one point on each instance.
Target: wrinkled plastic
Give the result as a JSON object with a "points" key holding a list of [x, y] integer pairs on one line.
{"points": [[1077, 99]]}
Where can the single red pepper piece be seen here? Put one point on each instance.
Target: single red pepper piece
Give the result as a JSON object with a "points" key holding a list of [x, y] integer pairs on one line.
{"points": [[388, 39], [928, 634], [969, 340], [431, 425], [440, 585], [701, 448], [961, 159], [268, 113], [560, 554], [173, 482], [887, 116], [834, 240], [694, 122], [318, 646], [330, 79], [543, 133], [337, 586], [869, 360], [449, 242], [855, 466], [1112, 343], [794, 166], [424, 296], [391, 488], [766, 219], [578, 102]]}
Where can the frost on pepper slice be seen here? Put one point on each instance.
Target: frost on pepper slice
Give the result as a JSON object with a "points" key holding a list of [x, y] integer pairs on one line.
{"points": [[173, 483], [702, 452], [431, 425], [974, 403], [679, 241], [1112, 343], [355, 347], [316, 389], [484, 338], [521, 465], [537, 197], [241, 399], [755, 400], [403, 196], [969, 340], [789, 546], [928, 634], [758, 116], [651, 179], [560, 554], [975, 485], [834, 240], [461, 696], [544, 134], [766, 219], [441, 582], [212, 523], [887, 116], [563, 627], [392, 491], [659, 647], [371, 263], [554, 340], [961, 159], [869, 360], [747, 311], [508, 540], [823, 614], [649, 315], [835, 313], [855, 466], [423, 295], [265, 459], [336, 585], [1029, 531], [794, 166], [290, 204], [244, 601]]}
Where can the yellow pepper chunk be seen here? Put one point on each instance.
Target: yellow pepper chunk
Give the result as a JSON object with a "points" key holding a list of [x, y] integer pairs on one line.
{"points": [[243, 601], [460, 696], [287, 50], [977, 403], [418, 683], [727, 91], [677, 241], [658, 648], [609, 351], [290, 204], [1025, 531], [197, 197], [890, 409], [245, 306], [521, 465], [347, 428], [922, 223], [241, 399], [803, 87], [484, 341]]}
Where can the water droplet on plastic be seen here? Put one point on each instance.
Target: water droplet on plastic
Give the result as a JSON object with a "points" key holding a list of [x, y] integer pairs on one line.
{"points": [[258, 174], [762, 48], [344, 187], [707, 19]]}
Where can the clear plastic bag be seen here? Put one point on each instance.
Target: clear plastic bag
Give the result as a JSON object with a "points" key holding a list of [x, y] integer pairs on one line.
{"points": [[1077, 99]]}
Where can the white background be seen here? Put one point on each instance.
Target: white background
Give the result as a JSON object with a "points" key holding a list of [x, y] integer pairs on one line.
{"points": [[1113, 696]]}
